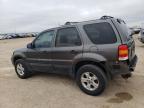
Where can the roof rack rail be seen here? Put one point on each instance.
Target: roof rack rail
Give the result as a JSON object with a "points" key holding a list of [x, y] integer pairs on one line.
{"points": [[70, 23], [106, 17]]}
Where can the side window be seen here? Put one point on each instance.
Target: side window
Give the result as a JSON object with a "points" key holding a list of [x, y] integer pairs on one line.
{"points": [[67, 37], [44, 40], [100, 33]]}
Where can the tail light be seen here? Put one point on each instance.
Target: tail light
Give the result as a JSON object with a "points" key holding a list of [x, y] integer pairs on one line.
{"points": [[123, 52]]}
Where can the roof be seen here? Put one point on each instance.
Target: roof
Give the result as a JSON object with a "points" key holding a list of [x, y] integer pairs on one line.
{"points": [[102, 18]]}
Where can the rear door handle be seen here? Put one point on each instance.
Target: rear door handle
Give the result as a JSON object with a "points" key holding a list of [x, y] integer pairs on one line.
{"points": [[73, 52]]}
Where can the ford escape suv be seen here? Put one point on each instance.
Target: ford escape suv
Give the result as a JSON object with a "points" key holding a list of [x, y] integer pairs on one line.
{"points": [[92, 52]]}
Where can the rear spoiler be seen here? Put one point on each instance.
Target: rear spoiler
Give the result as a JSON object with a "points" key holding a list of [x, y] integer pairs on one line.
{"points": [[109, 17]]}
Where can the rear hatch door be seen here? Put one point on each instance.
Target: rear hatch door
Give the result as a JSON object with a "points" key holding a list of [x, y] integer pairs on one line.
{"points": [[126, 38]]}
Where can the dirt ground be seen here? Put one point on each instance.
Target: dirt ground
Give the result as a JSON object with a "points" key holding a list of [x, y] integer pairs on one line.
{"points": [[53, 91]]}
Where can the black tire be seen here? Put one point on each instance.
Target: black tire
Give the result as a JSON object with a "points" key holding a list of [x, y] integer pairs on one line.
{"points": [[98, 72], [26, 72]]}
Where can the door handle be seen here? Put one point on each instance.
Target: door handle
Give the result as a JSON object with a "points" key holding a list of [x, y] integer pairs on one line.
{"points": [[73, 52]]}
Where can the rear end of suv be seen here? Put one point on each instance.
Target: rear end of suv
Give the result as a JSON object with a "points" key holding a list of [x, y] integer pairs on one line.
{"points": [[126, 40], [92, 52]]}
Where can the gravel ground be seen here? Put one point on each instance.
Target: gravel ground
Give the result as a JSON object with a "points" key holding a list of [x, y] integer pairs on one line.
{"points": [[54, 91]]}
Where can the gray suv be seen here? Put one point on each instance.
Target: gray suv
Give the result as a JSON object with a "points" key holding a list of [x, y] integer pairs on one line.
{"points": [[92, 52]]}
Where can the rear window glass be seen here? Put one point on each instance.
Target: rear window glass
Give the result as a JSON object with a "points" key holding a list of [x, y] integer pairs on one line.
{"points": [[100, 33], [124, 29]]}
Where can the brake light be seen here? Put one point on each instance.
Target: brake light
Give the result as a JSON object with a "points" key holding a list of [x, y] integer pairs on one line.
{"points": [[123, 52]]}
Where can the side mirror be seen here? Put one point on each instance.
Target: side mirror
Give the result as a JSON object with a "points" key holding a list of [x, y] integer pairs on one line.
{"points": [[30, 46]]}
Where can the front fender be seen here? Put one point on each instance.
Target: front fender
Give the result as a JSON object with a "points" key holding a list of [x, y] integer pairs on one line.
{"points": [[17, 55]]}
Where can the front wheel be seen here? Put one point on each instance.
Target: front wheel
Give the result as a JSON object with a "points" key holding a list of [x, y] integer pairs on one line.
{"points": [[21, 69], [91, 79]]}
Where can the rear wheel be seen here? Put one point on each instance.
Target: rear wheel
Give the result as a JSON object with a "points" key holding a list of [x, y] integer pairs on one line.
{"points": [[21, 69], [91, 79]]}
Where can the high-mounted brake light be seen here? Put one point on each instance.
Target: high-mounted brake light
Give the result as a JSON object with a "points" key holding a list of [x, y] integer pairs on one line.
{"points": [[123, 52]]}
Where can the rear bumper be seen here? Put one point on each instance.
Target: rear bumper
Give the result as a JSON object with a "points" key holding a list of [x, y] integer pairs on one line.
{"points": [[133, 63], [124, 67]]}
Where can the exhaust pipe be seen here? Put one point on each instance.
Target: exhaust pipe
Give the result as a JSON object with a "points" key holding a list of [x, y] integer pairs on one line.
{"points": [[126, 76], [131, 69]]}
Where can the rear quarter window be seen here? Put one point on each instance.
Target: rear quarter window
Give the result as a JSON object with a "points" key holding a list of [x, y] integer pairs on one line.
{"points": [[100, 33]]}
